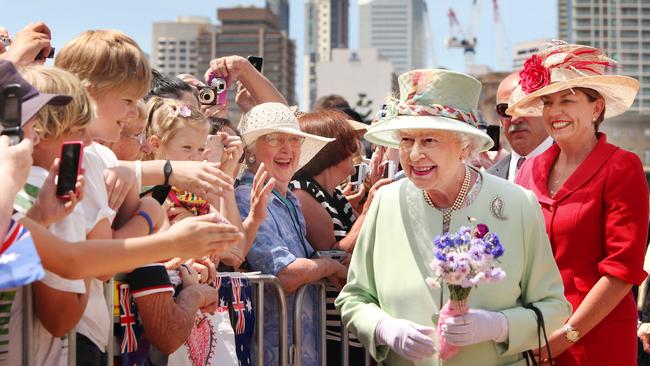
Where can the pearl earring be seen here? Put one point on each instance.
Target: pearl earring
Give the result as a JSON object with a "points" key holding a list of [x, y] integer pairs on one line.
{"points": [[251, 159]]}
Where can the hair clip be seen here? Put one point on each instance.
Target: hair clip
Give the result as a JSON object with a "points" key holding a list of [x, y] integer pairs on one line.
{"points": [[185, 111]]}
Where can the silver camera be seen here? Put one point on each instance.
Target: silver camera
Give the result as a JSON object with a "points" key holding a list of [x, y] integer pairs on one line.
{"points": [[215, 93]]}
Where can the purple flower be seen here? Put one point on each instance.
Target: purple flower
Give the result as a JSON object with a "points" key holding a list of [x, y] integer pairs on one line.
{"points": [[481, 230]]}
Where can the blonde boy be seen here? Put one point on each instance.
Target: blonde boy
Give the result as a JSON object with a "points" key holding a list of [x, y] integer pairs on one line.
{"points": [[59, 303]]}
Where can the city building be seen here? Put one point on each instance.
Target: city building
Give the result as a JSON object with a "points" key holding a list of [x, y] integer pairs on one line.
{"points": [[630, 131], [281, 9], [523, 50], [257, 32], [183, 46], [326, 28], [396, 29], [621, 28], [366, 76]]}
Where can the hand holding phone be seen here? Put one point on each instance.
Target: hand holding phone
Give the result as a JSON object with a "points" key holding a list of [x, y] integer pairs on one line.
{"points": [[69, 168], [389, 169], [215, 145]]}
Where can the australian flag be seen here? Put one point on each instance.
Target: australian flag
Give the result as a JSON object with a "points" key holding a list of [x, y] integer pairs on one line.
{"points": [[20, 264], [243, 318], [134, 348]]}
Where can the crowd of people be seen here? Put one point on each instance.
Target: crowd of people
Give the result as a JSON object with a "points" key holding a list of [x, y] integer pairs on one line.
{"points": [[176, 202]]}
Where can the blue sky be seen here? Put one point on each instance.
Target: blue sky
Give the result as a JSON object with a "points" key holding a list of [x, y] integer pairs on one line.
{"points": [[522, 20]]}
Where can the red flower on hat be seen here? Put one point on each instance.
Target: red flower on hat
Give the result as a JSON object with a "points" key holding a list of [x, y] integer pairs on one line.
{"points": [[534, 75]]}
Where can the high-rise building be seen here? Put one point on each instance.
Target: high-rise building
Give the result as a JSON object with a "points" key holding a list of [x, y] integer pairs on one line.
{"points": [[621, 28], [523, 50], [281, 9], [396, 29], [326, 28], [257, 32], [367, 79], [184, 46]]}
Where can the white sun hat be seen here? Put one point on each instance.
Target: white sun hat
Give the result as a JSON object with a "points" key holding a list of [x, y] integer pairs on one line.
{"points": [[563, 66], [431, 100], [268, 118]]}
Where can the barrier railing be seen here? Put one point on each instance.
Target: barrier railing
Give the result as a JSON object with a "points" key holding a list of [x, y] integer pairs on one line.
{"points": [[261, 281], [289, 355]]}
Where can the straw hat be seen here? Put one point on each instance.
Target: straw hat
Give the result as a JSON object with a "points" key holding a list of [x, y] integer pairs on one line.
{"points": [[278, 118], [431, 100], [564, 66]]}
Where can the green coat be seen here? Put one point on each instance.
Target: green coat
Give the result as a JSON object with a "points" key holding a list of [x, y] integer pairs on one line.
{"points": [[391, 258]]}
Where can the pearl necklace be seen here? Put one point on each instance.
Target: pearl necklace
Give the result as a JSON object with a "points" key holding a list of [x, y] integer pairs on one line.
{"points": [[464, 189]]}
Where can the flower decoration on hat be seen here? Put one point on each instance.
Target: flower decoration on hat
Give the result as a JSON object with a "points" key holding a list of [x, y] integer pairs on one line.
{"points": [[585, 61]]}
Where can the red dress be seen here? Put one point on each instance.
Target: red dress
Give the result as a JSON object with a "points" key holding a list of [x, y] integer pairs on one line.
{"points": [[598, 225]]}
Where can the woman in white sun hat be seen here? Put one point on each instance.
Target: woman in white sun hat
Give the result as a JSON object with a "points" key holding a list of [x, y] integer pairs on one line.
{"points": [[594, 197], [274, 142], [386, 301]]}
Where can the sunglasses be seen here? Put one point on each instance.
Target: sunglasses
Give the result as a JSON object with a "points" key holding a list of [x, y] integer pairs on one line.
{"points": [[501, 110]]}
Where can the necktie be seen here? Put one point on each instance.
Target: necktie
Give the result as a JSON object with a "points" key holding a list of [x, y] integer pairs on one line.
{"points": [[520, 162]]}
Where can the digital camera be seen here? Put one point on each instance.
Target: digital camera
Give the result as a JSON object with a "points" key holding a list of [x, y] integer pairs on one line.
{"points": [[216, 93]]}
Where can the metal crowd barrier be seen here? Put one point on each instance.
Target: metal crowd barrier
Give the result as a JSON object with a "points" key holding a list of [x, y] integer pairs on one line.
{"points": [[296, 348], [289, 355], [261, 281]]}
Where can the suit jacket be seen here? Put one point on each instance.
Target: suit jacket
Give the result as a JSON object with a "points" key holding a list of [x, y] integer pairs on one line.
{"points": [[391, 261], [501, 168], [597, 224]]}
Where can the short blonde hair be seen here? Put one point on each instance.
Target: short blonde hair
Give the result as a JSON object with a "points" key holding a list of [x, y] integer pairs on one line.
{"points": [[55, 121], [165, 118], [108, 60]]}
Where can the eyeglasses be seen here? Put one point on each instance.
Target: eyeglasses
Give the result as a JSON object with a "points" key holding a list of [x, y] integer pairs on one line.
{"points": [[276, 139], [140, 138], [501, 110]]}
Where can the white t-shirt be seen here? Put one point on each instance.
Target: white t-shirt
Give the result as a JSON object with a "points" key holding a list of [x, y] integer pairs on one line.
{"points": [[50, 350], [95, 322]]}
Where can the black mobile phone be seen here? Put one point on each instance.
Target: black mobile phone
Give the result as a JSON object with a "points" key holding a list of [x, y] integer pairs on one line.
{"points": [[69, 168], [41, 55], [257, 62], [11, 113], [494, 131]]}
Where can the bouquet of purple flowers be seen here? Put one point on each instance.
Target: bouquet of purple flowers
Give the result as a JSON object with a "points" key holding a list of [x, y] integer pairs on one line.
{"points": [[463, 260]]}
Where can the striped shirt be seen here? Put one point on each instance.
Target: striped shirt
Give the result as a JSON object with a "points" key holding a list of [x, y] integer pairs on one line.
{"points": [[343, 217]]}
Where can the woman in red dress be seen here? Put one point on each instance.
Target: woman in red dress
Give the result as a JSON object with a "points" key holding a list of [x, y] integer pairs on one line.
{"points": [[594, 197]]}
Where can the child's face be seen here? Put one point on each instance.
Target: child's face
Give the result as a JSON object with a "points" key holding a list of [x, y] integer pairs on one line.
{"points": [[187, 144], [112, 108]]}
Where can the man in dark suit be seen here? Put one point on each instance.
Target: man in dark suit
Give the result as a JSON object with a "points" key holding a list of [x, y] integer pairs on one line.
{"points": [[526, 135]]}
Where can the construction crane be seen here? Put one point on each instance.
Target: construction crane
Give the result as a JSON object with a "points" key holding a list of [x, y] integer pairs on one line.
{"points": [[466, 40]]}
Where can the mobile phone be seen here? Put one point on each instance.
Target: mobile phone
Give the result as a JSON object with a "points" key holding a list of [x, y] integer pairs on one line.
{"points": [[360, 173], [69, 168], [389, 169], [257, 62], [41, 54], [11, 113], [215, 144], [494, 131], [337, 255]]}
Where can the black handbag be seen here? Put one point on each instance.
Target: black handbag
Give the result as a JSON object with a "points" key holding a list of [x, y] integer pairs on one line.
{"points": [[541, 330]]}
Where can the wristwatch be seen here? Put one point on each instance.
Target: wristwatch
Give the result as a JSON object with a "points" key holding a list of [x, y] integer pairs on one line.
{"points": [[570, 333], [167, 170]]}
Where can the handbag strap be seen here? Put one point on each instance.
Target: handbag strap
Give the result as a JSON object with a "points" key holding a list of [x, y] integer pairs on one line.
{"points": [[541, 330]]}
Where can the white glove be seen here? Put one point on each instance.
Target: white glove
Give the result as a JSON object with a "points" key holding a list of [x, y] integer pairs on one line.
{"points": [[405, 338], [475, 327]]}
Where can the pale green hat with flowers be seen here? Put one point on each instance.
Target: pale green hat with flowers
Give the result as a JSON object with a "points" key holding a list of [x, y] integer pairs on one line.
{"points": [[431, 100]]}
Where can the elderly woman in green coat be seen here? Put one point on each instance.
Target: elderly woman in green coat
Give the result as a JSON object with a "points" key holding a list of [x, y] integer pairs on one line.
{"points": [[386, 301]]}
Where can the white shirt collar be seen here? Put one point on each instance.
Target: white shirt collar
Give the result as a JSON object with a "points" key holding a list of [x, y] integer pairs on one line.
{"points": [[514, 157]]}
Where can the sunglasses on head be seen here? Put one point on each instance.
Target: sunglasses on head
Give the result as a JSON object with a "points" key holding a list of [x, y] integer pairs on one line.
{"points": [[501, 110]]}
